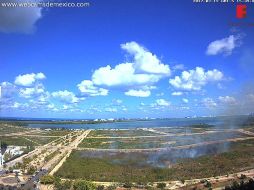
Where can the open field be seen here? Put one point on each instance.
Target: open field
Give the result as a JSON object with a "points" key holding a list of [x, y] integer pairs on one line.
{"points": [[190, 153], [17, 141], [18, 135], [173, 130], [120, 133], [160, 166], [6, 128], [141, 155], [140, 142], [26, 140]]}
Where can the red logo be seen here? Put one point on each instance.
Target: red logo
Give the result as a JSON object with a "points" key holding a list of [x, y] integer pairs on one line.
{"points": [[241, 11]]}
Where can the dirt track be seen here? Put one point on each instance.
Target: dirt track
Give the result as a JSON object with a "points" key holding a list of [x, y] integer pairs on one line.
{"points": [[168, 148], [174, 135], [67, 151]]}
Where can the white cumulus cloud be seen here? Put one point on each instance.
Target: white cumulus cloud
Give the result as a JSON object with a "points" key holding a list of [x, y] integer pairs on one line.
{"points": [[110, 109], [138, 93], [7, 90], [66, 96], [176, 93], [224, 46], [87, 87], [122, 75], [29, 79], [137, 76], [209, 103], [196, 79], [185, 100], [144, 60], [31, 92], [162, 102], [227, 99]]}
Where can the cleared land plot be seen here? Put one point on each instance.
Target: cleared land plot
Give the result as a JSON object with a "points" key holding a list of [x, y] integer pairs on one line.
{"points": [[38, 132], [206, 161], [120, 133], [17, 141], [55, 133], [7, 129], [156, 142], [250, 129], [24, 141], [172, 130], [42, 140]]}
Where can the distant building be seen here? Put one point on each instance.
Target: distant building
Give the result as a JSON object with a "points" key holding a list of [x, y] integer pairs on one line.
{"points": [[12, 151]]}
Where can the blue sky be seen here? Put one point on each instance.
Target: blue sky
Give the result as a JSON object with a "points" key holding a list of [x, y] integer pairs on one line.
{"points": [[157, 58]]}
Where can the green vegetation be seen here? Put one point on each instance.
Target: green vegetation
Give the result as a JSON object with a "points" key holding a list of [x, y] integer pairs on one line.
{"points": [[120, 133], [26, 141], [67, 184], [249, 185], [55, 132], [25, 166], [155, 142], [40, 140], [187, 129], [7, 128], [17, 141], [52, 155], [116, 167], [47, 179], [83, 185], [62, 185], [31, 170], [161, 185]]}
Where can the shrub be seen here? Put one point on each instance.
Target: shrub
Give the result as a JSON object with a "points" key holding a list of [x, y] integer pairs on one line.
{"points": [[62, 185], [111, 187], [242, 176], [83, 185], [161, 185], [246, 186], [208, 184], [47, 179], [31, 170], [182, 181], [127, 185], [100, 187]]}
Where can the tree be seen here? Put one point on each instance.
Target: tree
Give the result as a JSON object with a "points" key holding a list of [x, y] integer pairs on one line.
{"points": [[127, 185], [7, 156], [47, 179], [100, 187], [83, 185], [62, 185], [3, 146], [161, 185], [208, 184], [31, 170], [246, 186]]}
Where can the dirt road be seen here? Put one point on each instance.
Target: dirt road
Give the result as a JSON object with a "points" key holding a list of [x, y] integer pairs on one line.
{"points": [[67, 151], [168, 148]]}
